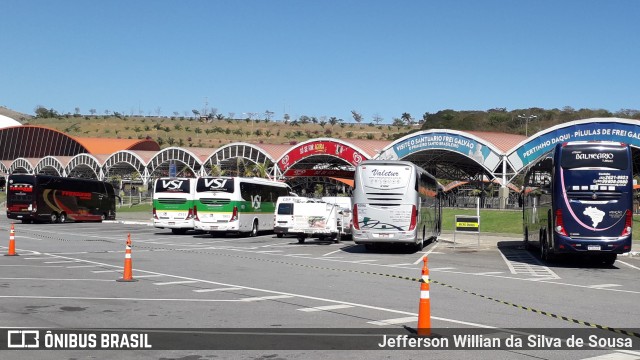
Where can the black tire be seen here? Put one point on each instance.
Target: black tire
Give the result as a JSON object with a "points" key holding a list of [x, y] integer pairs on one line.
{"points": [[419, 246], [53, 217], [301, 239], [254, 229], [279, 235], [609, 259], [179, 231], [62, 218]]}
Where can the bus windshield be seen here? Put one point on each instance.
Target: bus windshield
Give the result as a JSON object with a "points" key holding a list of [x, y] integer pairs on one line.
{"points": [[595, 157], [215, 185], [172, 186], [386, 177], [21, 189]]}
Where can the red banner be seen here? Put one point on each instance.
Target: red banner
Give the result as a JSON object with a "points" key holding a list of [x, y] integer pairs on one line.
{"points": [[319, 172], [332, 148]]}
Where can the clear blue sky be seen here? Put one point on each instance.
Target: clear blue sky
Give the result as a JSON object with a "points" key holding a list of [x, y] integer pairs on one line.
{"points": [[318, 58]]}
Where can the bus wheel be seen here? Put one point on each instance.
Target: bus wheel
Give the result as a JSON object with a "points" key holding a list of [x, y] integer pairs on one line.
{"points": [[62, 218], [301, 239], [609, 259], [544, 251], [279, 235], [54, 217], [254, 229], [420, 245], [527, 245]]}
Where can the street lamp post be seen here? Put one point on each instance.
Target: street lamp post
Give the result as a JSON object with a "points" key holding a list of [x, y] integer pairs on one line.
{"points": [[526, 122]]}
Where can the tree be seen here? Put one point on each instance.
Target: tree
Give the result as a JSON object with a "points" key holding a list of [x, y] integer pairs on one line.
{"points": [[196, 113], [357, 117], [377, 118], [398, 123], [406, 117], [333, 120], [268, 114], [286, 118], [424, 117]]}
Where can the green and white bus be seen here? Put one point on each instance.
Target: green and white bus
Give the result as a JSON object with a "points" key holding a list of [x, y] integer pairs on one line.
{"points": [[236, 204], [173, 204]]}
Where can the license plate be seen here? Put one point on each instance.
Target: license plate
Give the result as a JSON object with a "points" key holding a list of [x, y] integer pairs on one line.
{"points": [[171, 223], [384, 235], [593, 247], [212, 227]]}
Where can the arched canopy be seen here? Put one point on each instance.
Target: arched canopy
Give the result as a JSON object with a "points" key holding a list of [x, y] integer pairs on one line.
{"points": [[20, 166], [159, 164], [123, 163], [611, 129], [321, 157], [84, 165], [49, 165], [226, 157], [446, 153]]}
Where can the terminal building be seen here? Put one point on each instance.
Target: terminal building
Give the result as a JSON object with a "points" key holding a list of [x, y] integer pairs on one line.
{"points": [[461, 157]]}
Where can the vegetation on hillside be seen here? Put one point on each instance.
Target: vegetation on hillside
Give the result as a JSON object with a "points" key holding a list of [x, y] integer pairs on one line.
{"points": [[215, 130]]}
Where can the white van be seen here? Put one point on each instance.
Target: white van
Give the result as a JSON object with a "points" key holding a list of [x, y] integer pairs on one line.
{"points": [[283, 217], [345, 215]]}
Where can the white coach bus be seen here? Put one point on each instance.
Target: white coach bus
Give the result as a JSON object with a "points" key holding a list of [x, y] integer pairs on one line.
{"points": [[236, 204], [173, 204], [395, 202]]}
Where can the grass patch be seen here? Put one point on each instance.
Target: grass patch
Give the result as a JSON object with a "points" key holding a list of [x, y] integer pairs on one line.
{"points": [[504, 221], [491, 221], [144, 207]]}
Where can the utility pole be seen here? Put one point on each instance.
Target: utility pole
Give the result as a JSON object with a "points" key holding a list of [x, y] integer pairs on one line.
{"points": [[526, 122]]}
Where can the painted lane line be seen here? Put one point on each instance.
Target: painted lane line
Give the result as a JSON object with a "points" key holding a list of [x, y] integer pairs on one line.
{"points": [[330, 257], [37, 266], [402, 320], [403, 264], [441, 268], [629, 265], [218, 289], [176, 282], [268, 251], [104, 271], [333, 252], [50, 279], [275, 244], [81, 266], [298, 255], [426, 254], [41, 258], [146, 276], [60, 262], [489, 273], [274, 297], [326, 308], [361, 261], [613, 356], [602, 286]]}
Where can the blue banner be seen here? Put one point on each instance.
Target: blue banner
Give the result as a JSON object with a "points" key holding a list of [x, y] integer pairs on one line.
{"points": [[625, 132]]}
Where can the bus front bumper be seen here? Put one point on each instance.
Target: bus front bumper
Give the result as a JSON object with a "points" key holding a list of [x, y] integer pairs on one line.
{"points": [[173, 224], [568, 245], [217, 226], [368, 237]]}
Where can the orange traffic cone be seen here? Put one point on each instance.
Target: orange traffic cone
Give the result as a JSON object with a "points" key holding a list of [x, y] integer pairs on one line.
{"points": [[128, 271], [424, 311], [12, 242]]}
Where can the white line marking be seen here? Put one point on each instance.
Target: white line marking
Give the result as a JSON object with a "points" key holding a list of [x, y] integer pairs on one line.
{"points": [[442, 268], [218, 289], [104, 271], [41, 258], [175, 282], [146, 276], [361, 261], [403, 264], [274, 297], [629, 265], [602, 286], [60, 262], [44, 266], [403, 320], [80, 266], [333, 252], [489, 273], [426, 254], [326, 308], [49, 279], [613, 356], [298, 255], [268, 251]]}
